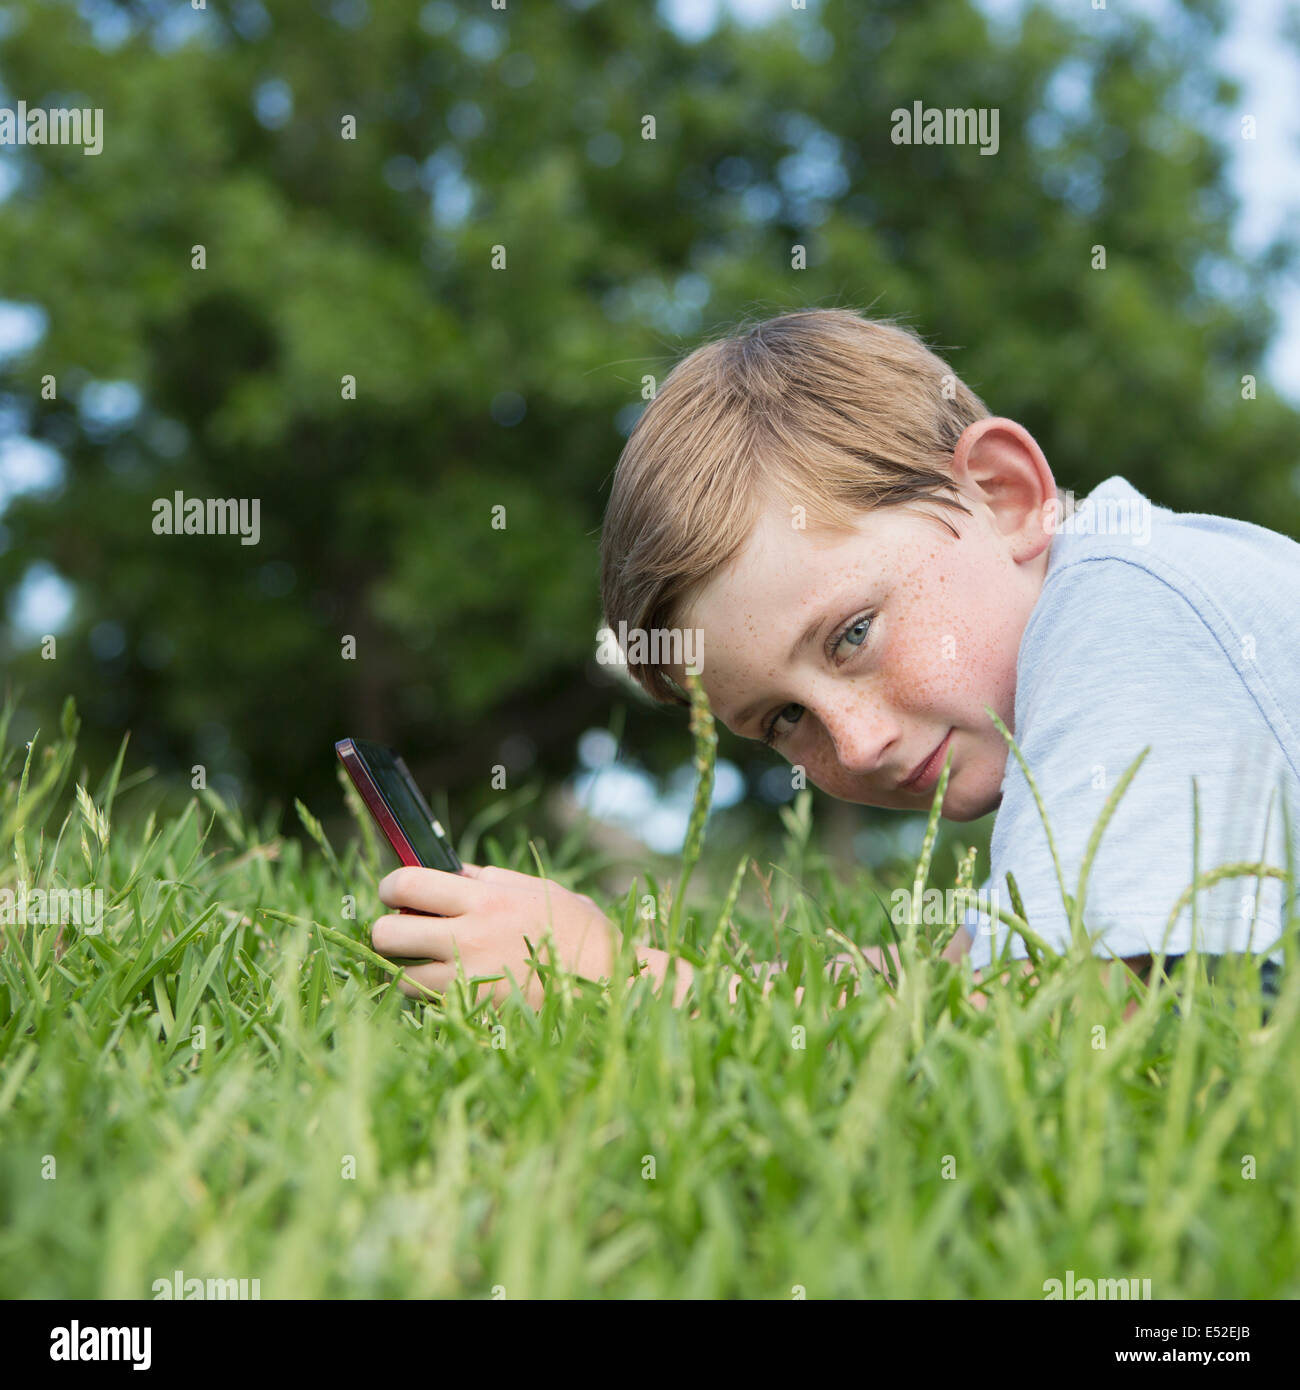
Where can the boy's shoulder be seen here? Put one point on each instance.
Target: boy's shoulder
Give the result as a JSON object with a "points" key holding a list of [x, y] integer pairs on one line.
{"points": [[1215, 561], [1124, 572], [1162, 639]]}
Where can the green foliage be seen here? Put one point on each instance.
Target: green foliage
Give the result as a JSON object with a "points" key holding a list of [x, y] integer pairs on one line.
{"points": [[223, 1080], [328, 256]]}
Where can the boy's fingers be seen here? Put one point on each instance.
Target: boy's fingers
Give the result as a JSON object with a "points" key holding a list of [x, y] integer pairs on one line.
{"points": [[490, 873], [875, 957], [420, 940], [511, 878], [429, 890], [435, 976]]}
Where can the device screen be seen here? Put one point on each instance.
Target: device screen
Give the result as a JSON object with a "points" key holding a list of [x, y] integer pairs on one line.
{"points": [[408, 807]]}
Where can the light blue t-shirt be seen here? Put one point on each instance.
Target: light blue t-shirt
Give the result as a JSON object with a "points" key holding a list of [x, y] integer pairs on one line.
{"points": [[1182, 631]]}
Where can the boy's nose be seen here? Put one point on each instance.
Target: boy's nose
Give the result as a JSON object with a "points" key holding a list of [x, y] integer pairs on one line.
{"points": [[860, 739]]}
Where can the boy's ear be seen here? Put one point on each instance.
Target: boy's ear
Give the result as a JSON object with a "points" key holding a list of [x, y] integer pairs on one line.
{"points": [[998, 462]]}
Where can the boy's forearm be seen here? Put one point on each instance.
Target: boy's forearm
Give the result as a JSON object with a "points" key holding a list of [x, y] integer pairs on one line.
{"points": [[962, 942], [656, 964]]}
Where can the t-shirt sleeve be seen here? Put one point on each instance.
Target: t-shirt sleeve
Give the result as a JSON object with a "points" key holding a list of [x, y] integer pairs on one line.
{"points": [[1113, 659]]}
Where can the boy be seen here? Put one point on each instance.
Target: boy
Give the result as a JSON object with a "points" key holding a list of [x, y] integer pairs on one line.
{"points": [[871, 559]]}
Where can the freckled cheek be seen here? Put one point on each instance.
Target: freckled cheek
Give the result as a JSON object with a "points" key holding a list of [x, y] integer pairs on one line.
{"points": [[988, 675], [816, 756], [834, 781], [944, 649], [827, 775], [921, 658]]}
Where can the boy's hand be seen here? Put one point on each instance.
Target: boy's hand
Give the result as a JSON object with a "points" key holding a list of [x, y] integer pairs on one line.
{"points": [[485, 914]]}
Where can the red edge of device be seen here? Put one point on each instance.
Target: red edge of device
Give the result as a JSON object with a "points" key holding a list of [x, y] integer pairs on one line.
{"points": [[374, 799]]}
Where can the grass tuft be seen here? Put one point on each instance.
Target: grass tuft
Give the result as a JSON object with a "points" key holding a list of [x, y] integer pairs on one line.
{"points": [[219, 1077]]}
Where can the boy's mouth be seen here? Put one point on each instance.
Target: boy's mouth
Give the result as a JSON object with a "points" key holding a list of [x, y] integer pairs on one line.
{"points": [[927, 772]]}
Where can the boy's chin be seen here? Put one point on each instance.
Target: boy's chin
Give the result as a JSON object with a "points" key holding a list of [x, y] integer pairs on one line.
{"points": [[960, 804], [963, 809]]}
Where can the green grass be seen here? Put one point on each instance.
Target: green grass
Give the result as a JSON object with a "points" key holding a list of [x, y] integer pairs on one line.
{"points": [[329, 1138]]}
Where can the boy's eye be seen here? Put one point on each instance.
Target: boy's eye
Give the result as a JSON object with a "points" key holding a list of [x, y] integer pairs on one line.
{"points": [[790, 713], [856, 635]]}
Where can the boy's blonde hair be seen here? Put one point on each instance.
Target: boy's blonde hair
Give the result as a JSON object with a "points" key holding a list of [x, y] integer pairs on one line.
{"points": [[823, 409]]}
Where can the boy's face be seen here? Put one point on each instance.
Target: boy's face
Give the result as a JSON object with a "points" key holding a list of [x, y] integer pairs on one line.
{"points": [[862, 651]]}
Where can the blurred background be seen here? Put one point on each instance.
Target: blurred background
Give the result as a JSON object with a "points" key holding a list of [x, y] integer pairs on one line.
{"points": [[1165, 132]]}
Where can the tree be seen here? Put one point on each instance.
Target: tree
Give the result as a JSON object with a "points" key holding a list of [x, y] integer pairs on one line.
{"points": [[439, 255]]}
